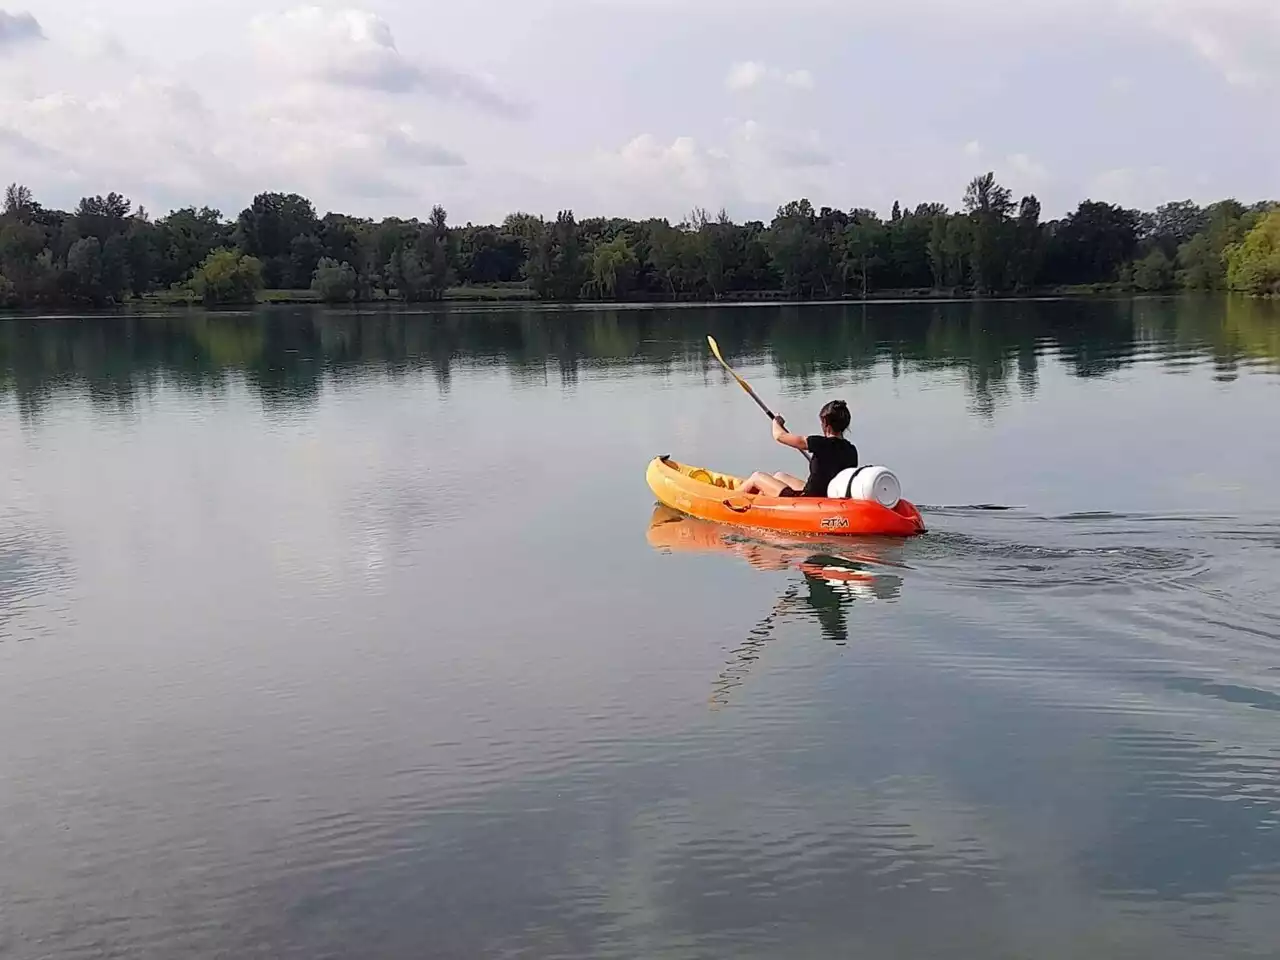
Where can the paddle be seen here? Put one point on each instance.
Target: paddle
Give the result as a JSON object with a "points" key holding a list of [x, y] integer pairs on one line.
{"points": [[715, 348]]}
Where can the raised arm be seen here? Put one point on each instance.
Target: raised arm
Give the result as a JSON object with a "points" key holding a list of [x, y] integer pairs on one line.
{"points": [[787, 439]]}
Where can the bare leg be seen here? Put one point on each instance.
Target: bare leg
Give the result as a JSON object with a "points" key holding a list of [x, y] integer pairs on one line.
{"points": [[792, 481], [764, 484]]}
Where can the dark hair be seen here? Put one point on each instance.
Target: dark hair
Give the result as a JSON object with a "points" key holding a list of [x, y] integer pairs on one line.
{"points": [[836, 416]]}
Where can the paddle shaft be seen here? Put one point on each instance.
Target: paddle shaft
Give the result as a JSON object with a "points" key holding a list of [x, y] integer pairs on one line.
{"points": [[715, 348]]}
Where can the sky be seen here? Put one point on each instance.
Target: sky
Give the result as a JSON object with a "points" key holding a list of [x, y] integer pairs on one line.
{"points": [[638, 107]]}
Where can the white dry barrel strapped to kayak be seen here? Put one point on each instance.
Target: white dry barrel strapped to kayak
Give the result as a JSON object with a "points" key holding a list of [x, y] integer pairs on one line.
{"points": [[866, 483]]}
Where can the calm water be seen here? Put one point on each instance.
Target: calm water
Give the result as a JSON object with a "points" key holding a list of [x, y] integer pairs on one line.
{"points": [[333, 635]]}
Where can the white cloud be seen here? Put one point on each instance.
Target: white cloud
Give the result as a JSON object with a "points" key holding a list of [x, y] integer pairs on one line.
{"points": [[114, 123], [746, 75], [1142, 188], [404, 144], [752, 169], [683, 162], [16, 28], [211, 104], [1026, 168], [800, 79], [1239, 38], [785, 149], [355, 48], [751, 75]]}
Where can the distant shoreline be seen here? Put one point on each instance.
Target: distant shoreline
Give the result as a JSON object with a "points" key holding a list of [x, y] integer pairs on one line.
{"points": [[508, 296], [510, 293]]}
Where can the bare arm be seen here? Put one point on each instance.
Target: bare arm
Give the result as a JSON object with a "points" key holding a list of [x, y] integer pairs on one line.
{"points": [[787, 439]]}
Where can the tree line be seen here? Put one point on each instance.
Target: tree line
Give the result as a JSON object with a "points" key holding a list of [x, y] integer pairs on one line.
{"points": [[105, 252]]}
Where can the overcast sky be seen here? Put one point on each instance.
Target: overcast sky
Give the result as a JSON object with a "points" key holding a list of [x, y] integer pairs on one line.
{"points": [[639, 107]]}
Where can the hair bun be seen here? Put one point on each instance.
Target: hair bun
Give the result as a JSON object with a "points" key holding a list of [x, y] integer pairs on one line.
{"points": [[839, 405]]}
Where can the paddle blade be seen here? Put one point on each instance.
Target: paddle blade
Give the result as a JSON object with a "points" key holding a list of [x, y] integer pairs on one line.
{"points": [[715, 348]]}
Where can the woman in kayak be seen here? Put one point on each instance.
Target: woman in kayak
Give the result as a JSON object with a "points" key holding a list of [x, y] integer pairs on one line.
{"points": [[831, 453]]}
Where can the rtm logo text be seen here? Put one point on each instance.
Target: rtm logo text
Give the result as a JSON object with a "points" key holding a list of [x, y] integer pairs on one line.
{"points": [[835, 523]]}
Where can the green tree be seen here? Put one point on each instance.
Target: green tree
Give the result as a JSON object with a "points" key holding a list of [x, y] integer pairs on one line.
{"points": [[526, 228], [386, 239], [674, 258], [103, 217], [227, 278], [19, 204], [143, 255], [1028, 247], [21, 244], [1253, 265], [342, 238], [989, 206], [938, 249], [418, 269], [335, 282], [1201, 260], [908, 256], [82, 279], [556, 269], [305, 251], [613, 267], [1154, 272], [801, 255], [115, 268], [1173, 224], [266, 229], [1093, 244], [958, 246], [866, 243], [185, 238], [489, 255]]}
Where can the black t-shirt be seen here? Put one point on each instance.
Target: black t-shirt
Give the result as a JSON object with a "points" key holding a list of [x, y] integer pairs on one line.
{"points": [[830, 456]]}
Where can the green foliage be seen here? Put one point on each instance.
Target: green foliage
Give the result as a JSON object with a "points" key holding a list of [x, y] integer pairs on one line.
{"points": [[102, 217], [990, 244], [613, 268], [83, 278], [335, 282], [104, 251], [1092, 244], [556, 269], [266, 230], [185, 238], [1201, 259], [865, 249], [1253, 265], [418, 270], [1154, 272], [19, 204], [1028, 245], [227, 278]]}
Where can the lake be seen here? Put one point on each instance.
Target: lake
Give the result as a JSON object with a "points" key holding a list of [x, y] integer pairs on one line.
{"points": [[327, 633]]}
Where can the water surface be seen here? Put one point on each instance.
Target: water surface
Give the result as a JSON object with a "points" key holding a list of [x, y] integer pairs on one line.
{"points": [[328, 633]]}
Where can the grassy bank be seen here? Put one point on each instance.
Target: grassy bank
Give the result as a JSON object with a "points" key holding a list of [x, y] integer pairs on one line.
{"points": [[467, 293], [515, 292]]}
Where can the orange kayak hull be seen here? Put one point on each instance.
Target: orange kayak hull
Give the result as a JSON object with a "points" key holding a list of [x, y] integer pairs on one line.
{"points": [[707, 495]]}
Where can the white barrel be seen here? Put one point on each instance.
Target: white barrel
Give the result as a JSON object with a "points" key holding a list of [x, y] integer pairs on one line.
{"points": [[866, 483]]}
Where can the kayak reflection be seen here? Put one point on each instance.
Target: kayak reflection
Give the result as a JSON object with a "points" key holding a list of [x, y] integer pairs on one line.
{"points": [[834, 577]]}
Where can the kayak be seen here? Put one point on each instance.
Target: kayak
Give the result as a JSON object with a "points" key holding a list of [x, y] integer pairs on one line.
{"points": [[702, 493]]}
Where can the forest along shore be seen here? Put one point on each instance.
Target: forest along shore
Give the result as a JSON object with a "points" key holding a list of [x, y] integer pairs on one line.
{"points": [[279, 250]]}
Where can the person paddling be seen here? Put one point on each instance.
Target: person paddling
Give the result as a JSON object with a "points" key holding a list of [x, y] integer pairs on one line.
{"points": [[830, 453]]}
